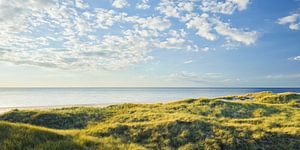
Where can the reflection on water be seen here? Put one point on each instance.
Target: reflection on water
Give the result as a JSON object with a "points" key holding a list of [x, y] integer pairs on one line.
{"points": [[20, 97]]}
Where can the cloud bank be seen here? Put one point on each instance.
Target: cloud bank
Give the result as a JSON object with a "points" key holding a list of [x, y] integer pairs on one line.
{"points": [[74, 35]]}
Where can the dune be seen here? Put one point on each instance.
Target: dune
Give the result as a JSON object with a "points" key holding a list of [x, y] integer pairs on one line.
{"points": [[252, 121]]}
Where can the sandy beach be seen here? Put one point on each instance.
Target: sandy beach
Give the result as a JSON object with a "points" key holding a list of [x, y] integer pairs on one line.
{"points": [[6, 109]]}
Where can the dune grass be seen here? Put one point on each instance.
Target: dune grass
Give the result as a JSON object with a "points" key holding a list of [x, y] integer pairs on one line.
{"points": [[253, 121]]}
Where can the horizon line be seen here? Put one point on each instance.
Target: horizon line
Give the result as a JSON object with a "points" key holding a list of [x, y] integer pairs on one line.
{"points": [[152, 87]]}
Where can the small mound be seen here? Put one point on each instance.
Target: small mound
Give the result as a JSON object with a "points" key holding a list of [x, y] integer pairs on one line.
{"points": [[65, 118], [259, 95], [156, 135], [281, 98], [20, 137]]}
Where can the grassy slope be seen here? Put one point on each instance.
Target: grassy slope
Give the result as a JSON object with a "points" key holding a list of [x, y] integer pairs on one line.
{"points": [[20, 136], [256, 121]]}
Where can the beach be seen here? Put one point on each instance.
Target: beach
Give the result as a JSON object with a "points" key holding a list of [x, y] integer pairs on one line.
{"points": [[7, 109]]}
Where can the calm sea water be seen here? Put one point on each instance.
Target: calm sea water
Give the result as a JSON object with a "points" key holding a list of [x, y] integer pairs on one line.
{"points": [[23, 97]]}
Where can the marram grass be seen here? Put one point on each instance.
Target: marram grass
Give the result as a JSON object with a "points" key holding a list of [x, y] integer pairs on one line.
{"points": [[253, 121]]}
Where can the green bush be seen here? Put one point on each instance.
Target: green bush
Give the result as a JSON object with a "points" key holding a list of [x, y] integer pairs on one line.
{"points": [[66, 118]]}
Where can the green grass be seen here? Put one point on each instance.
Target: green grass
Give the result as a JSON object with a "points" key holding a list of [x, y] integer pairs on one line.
{"points": [[20, 136], [65, 118], [253, 121]]}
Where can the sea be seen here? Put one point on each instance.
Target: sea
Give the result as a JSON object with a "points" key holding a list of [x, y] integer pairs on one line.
{"points": [[36, 97]]}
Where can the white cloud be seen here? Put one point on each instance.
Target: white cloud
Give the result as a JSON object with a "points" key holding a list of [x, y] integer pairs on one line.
{"points": [[293, 21], [297, 58], [81, 4], [61, 37], [157, 23], [105, 18], [230, 45], [171, 43], [120, 3], [205, 49], [234, 34], [185, 77], [242, 4], [202, 25], [186, 6], [13, 14], [202, 17], [192, 77], [83, 26], [208, 26], [75, 35], [196, 48], [224, 7], [143, 5], [188, 61], [283, 76], [77, 46], [168, 8]]}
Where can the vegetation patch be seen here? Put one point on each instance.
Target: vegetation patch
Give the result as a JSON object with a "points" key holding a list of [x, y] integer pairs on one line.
{"points": [[253, 121]]}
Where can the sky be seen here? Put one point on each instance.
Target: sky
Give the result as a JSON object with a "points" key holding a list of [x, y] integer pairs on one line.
{"points": [[143, 43]]}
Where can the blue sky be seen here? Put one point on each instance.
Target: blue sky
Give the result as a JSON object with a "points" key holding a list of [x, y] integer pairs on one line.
{"points": [[56, 43]]}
